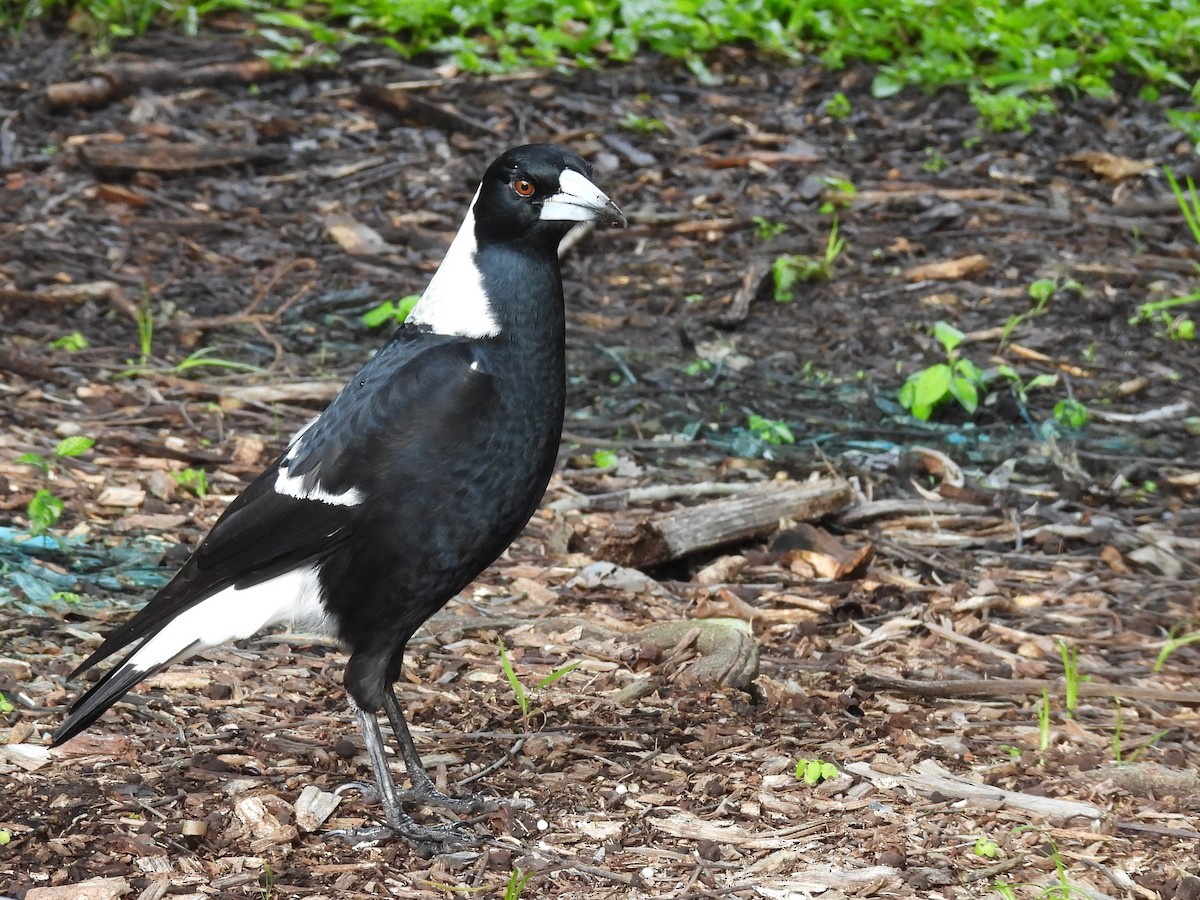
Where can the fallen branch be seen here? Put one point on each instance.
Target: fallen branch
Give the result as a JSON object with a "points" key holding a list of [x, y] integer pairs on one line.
{"points": [[927, 777], [173, 158], [115, 81], [754, 513], [410, 108], [1006, 688]]}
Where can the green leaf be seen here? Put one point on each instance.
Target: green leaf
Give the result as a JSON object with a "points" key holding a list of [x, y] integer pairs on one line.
{"points": [[1041, 289], [558, 673], [932, 385], [947, 335], [73, 446], [34, 459], [604, 459], [43, 510], [5, 708], [886, 84], [510, 673], [966, 393]]}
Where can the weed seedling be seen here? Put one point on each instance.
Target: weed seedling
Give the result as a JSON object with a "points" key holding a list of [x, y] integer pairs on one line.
{"points": [[790, 270], [839, 194], [194, 480], [766, 229], [986, 847], [837, 106], [1070, 412], [642, 124], [771, 431], [390, 312], [5, 705], [604, 459], [1070, 661], [44, 509], [72, 342], [957, 378], [1043, 714], [519, 692], [516, 884], [814, 771], [1171, 645]]}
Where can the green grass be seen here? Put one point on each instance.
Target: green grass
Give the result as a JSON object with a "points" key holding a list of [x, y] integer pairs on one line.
{"points": [[1010, 56]]}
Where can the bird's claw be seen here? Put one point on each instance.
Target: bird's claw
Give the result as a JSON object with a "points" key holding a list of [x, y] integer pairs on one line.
{"points": [[435, 838], [366, 790], [428, 795]]}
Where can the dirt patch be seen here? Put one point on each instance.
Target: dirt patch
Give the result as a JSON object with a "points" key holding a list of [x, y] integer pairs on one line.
{"points": [[1088, 536]]}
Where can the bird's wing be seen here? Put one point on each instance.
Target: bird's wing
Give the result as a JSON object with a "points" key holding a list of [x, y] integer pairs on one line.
{"points": [[309, 501]]}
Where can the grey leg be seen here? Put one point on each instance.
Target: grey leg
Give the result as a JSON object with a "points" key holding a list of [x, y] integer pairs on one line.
{"points": [[399, 823], [423, 789]]}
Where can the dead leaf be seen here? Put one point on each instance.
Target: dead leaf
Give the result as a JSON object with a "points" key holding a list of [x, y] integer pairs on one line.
{"points": [[356, 238], [949, 269], [1110, 166]]}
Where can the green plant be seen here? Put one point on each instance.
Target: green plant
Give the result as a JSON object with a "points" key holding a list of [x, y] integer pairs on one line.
{"points": [[839, 194], [934, 161], [524, 702], [634, 122], [1043, 715], [1070, 660], [204, 357], [604, 459], [772, 431], [1179, 327], [1009, 110], [814, 771], [5, 837], [699, 366], [266, 881], [957, 378], [837, 106], [70, 342], [5, 705], [44, 508], [66, 596], [194, 480], [389, 312], [145, 330], [766, 229], [986, 847], [1070, 412], [1040, 291], [1115, 742], [1171, 645], [789, 270], [516, 884]]}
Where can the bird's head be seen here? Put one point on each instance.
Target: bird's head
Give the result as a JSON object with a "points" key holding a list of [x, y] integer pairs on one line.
{"points": [[539, 191]]}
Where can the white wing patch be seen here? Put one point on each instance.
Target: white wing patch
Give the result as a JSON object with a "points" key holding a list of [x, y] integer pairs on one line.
{"points": [[236, 613], [455, 302], [304, 487]]}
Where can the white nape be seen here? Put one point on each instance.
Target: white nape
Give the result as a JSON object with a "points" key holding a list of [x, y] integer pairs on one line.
{"points": [[577, 199], [305, 487], [455, 302], [236, 613]]}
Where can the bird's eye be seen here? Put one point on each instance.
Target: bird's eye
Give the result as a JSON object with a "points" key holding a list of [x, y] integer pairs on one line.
{"points": [[524, 187]]}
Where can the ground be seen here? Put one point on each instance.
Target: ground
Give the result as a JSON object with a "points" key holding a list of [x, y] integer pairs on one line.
{"points": [[910, 648]]}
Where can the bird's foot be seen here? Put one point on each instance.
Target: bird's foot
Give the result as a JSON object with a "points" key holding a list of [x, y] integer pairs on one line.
{"points": [[424, 793], [369, 792], [433, 838]]}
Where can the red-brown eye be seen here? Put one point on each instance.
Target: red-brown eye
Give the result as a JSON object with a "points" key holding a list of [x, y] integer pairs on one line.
{"points": [[524, 187]]}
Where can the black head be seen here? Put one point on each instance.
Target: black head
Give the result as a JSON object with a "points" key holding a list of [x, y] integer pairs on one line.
{"points": [[537, 192]]}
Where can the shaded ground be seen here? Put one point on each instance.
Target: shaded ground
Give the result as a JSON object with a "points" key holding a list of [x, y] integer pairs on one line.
{"points": [[1090, 537]]}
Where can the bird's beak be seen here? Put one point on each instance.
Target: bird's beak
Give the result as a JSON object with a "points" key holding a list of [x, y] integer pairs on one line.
{"points": [[578, 200]]}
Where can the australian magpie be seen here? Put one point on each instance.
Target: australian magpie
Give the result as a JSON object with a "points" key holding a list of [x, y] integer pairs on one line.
{"points": [[420, 473]]}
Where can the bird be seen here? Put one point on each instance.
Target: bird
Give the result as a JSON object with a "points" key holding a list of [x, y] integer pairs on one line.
{"points": [[421, 471]]}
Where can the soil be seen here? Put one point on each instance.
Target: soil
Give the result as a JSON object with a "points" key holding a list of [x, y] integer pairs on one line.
{"points": [[977, 545]]}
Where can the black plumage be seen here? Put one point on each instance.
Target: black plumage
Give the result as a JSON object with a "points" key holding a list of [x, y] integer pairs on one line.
{"points": [[419, 474]]}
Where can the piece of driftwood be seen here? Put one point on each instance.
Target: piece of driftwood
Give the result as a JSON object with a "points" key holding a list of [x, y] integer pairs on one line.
{"points": [[927, 777], [1007, 688], [171, 158], [675, 534], [112, 82], [410, 108]]}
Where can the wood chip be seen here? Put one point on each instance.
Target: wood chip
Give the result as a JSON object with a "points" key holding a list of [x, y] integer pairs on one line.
{"points": [[356, 238], [314, 806], [1112, 167], [950, 269], [92, 889], [124, 497]]}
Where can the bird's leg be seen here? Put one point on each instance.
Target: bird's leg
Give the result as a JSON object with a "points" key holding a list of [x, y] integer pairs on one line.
{"points": [[399, 823], [423, 789]]}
